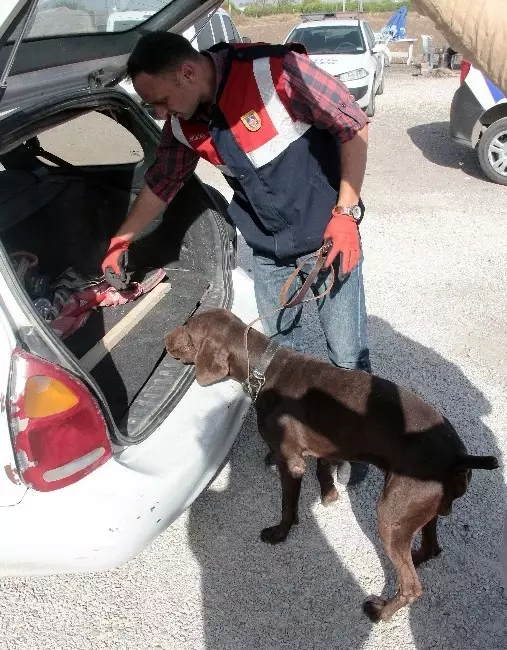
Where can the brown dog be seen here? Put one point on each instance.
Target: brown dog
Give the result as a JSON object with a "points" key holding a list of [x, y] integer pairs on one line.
{"points": [[307, 407]]}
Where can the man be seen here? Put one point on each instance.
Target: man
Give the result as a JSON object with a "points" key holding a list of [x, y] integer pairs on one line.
{"points": [[291, 142]]}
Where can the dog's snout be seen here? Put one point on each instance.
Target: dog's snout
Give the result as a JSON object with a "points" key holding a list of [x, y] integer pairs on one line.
{"points": [[179, 345]]}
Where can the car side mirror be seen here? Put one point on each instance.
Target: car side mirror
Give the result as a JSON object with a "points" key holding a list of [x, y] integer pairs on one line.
{"points": [[246, 39], [376, 49]]}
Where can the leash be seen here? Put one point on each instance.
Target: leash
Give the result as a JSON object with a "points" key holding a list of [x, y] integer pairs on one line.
{"points": [[255, 380]]}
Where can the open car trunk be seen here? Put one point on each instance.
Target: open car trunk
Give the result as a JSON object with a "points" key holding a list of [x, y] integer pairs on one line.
{"points": [[65, 214]]}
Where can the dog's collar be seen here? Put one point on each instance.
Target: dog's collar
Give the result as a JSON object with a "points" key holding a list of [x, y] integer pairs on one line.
{"points": [[255, 380]]}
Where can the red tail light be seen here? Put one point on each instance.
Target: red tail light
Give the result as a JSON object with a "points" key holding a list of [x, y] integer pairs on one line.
{"points": [[465, 69], [59, 433]]}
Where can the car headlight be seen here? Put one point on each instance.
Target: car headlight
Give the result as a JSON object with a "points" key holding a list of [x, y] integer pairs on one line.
{"points": [[360, 73]]}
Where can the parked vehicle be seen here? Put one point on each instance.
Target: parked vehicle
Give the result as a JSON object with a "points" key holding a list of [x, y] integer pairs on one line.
{"points": [[479, 120], [345, 48], [95, 463]]}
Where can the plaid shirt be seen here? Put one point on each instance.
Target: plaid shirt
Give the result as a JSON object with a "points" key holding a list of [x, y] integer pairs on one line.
{"points": [[315, 98]]}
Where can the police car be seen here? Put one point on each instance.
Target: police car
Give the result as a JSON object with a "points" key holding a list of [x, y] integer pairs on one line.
{"points": [[345, 48], [479, 120]]}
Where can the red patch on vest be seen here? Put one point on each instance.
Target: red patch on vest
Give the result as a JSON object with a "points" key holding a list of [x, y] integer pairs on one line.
{"points": [[241, 97], [199, 139]]}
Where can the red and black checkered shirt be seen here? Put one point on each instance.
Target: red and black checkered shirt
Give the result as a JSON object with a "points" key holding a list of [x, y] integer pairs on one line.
{"points": [[315, 98]]}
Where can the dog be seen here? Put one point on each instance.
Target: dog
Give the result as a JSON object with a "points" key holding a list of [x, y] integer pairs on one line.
{"points": [[307, 407]]}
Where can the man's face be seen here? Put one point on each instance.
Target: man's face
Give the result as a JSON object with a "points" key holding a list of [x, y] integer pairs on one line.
{"points": [[175, 94]]}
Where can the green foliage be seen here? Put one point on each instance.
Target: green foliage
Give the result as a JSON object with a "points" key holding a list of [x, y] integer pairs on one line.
{"points": [[258, 10]]}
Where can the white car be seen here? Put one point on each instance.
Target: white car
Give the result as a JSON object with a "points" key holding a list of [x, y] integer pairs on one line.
{"points": [[345, 48], [95, 463]]}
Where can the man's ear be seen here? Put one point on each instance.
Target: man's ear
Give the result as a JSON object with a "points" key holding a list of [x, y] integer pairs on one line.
{"points": [[179, 344], [211, 362]]}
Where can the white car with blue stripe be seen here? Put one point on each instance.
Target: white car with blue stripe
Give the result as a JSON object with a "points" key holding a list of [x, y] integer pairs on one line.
{"points": [[479, 119]]}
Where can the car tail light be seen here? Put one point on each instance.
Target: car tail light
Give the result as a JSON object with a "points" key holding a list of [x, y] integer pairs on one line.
{"points": [[465, 69], [59, 433]]}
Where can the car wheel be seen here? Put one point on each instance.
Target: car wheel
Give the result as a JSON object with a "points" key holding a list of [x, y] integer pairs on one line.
{"points": [[370, 109], [493, 152], [380, 89]]}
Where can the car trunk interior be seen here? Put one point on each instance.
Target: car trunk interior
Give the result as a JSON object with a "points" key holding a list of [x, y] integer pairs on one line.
{"points": [[65, 214]]}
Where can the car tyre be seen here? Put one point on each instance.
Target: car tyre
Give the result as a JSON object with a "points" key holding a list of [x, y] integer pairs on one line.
{"points": [[370, 109], [493, 152]]}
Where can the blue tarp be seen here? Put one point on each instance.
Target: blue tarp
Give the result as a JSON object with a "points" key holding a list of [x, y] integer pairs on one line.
{"points": [[396, 25]]}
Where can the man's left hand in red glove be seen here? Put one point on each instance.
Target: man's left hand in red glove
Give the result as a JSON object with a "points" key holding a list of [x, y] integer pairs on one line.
{"points": [[343, 231]]}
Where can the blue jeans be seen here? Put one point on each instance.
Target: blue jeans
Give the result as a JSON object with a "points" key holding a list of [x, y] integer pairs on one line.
{"points": [[342, 313]]}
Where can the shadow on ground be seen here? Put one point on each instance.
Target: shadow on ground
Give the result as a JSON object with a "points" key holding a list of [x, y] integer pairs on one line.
{"points": [[434, 141], [463, 606]]}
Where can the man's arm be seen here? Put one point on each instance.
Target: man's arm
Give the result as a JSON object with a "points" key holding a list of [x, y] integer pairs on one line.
{"points": [[143, 211], [318, 98], [174, 165], [353, 161]]}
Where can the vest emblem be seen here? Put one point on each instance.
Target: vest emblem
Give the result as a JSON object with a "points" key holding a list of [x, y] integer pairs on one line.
{"points": [[252, 121]]}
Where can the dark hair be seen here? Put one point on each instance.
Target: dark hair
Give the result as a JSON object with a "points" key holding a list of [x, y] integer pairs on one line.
{"points": [[158, 52]]}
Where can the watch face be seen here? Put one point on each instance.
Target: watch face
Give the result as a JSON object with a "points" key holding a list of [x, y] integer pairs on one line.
{"points": [[356, 212]]}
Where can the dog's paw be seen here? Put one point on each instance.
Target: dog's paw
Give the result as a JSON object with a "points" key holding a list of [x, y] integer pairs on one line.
{"points": [[422, 555], [329, 497], [275, 534], [373, 608], [270, 462]]}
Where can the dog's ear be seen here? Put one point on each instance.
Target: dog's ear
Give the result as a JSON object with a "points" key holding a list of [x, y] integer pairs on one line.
{"points": [[211, 362], [179, 345]]}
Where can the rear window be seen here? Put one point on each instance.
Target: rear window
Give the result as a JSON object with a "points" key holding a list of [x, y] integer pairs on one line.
{"points": [[330, 39], [232, 34], [204, 35], [62, 17], [218, 30]]}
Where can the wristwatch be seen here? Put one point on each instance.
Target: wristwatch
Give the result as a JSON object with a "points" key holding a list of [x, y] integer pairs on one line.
{"points": [[353, 211]]}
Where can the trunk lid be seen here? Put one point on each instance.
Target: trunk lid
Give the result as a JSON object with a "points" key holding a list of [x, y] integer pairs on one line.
{"points": [[66, 45]]}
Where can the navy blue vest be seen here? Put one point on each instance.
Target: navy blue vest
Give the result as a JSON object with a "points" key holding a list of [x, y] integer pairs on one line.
{"points": [[281, 207]]}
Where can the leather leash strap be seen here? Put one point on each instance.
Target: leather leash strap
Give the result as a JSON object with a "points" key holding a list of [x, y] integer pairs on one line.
{"points": [[254, 381], [321, 255]]}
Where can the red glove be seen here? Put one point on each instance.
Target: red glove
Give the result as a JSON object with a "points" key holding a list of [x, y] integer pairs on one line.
{"points": [[115, 262], [343, 232]]}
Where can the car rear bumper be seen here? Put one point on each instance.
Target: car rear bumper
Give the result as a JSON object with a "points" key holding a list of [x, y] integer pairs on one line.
{"points": [[114, 513]]}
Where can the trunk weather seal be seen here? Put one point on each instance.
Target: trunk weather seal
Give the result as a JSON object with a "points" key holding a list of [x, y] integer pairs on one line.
{"points": [[187, 375]]}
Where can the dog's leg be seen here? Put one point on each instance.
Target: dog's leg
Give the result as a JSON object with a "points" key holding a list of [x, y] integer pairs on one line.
{"points": [[291, 475], [405, 507], [328, 491], [429, 544]]}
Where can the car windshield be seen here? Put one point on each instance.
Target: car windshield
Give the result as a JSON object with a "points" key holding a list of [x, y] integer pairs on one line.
{"points": [[62, 17], [330, 39]]}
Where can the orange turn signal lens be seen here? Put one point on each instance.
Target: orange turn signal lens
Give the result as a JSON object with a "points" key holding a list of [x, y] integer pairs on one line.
{"points": [[46, 396]]}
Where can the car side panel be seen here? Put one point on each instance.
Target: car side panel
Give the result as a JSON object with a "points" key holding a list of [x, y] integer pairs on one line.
{"points": [[11, 488], [111, 515], [466, 111]]}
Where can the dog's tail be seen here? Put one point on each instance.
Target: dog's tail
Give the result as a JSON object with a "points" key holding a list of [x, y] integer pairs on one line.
{"points": [[477, 462]]}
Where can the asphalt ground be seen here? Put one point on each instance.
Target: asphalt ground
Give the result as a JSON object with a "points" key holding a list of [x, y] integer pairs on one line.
{"points": [[435, 272]]}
